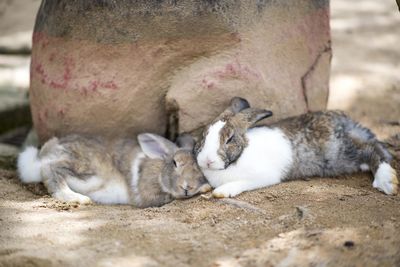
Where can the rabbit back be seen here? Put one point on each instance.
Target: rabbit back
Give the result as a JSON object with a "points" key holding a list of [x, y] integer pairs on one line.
{"points": [[89, 166], [326, 144]]}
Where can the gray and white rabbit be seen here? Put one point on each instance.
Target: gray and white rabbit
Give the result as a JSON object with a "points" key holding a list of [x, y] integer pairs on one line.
{"points": [[82, 169], [237, 156]]}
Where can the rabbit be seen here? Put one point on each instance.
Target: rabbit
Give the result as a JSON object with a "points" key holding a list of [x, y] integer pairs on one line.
{"points": [[237, 156], [82, 169]]}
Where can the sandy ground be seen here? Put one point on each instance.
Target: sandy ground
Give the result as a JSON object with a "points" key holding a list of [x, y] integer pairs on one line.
{"points": [[317, 222]]}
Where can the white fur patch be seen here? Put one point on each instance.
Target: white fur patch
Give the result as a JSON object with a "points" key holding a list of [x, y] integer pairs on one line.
{"points": [[84, 186], [210, 148], [67, 194], [29, 166], [100, 190], [184, 185], [231, 189], [113, 192], [364, 167], [135, 167], [384, 178], [262, 163]]}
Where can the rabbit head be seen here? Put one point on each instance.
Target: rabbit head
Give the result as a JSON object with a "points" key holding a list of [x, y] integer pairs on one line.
{"points": [[180, 175], [225, 138]]}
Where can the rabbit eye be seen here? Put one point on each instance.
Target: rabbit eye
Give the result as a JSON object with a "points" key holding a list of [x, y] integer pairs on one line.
{"points": [[174, 162], [230, 139]]}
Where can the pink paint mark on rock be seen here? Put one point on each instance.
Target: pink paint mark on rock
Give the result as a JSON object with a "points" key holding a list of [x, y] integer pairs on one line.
{"points": [[109, 85], [68, 66], [93, 85], [97, 84], [236, 70], [57, 85], [39, 69], [55, 82], [40, 39], [63, 79], [207, 84]]}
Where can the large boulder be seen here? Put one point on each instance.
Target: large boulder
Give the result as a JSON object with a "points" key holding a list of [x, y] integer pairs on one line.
{"points": [[117, 68]]}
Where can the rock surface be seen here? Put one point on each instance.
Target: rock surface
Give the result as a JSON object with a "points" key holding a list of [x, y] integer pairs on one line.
{"points": [[119, 68]]}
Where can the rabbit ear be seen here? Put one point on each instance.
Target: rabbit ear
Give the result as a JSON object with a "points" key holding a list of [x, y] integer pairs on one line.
{"points": [[185, 141], [251, 116], [236, 105], [155, 146]]}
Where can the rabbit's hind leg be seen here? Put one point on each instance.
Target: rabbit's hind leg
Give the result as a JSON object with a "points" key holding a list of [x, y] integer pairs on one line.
{"points": [[385, 177], [54, 180], [376, 157]]}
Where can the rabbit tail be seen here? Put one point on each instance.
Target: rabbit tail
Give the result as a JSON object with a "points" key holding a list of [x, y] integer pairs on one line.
{"points": [[29, 166]]}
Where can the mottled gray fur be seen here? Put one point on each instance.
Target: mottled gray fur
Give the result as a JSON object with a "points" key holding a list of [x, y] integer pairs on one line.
{"points": [[324, 143], [177, 175], [330, 144]]}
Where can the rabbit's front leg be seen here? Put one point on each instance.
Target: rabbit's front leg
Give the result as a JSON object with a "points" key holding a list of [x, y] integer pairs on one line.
{"points": [[66, 194], [232, 189]]}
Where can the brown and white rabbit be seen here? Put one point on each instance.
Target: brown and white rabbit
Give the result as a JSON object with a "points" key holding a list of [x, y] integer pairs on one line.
{"points": [[236, 156], [83, 169]]}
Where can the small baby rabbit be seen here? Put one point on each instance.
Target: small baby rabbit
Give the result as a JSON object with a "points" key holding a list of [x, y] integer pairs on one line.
{"points": [[82, 169], [235, 156]]}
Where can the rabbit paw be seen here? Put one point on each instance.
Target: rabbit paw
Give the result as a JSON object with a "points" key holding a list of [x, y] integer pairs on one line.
{"points": [[71, 196], [227, 190], [386, 179], [205, 188]]}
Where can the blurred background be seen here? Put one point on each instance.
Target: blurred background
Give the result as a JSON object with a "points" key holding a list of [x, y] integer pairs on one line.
{"points": [[365, 77]]}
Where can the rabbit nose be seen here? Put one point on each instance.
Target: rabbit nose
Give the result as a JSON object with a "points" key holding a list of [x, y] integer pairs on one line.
{"points": [[186, 189], [209, 163]]}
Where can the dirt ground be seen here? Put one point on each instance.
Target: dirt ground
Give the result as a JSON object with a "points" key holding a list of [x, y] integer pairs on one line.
{"points": [[316, 222]]}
